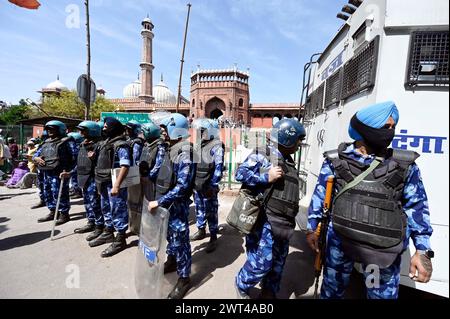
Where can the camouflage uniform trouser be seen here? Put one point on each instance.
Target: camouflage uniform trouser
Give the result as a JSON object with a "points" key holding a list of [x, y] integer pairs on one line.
{"points": [[338, 267], [266, 257], [114, 208], [178, 243], [51, 189], [92, 202], [74, 182], [207, 210]]}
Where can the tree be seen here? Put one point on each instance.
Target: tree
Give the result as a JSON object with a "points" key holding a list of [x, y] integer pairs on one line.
{"points": [[12, 115], [67, 104], [102, 105]]}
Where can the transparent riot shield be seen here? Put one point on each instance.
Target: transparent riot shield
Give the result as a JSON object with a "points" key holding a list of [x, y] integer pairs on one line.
{"points": [[149, 272], [135, 207]]}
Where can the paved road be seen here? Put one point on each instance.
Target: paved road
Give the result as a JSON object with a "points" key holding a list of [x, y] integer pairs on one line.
{"points": [[32, 266]]}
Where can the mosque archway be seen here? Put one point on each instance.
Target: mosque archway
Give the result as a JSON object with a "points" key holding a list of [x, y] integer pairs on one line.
{"points": [[215, 114], [214, 108]]}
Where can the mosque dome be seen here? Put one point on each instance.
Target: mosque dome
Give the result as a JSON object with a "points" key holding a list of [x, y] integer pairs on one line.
{"points": [[56, 85], [132, 90], [162, 94]]}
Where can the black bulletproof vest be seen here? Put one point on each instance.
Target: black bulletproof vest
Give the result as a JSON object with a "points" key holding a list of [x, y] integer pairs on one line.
{"points": [[205, 164], [149, 152], [50, 153], [286, 193], [146, 164], [166, 179], [370, 214], [105, 160], [85, 166]]}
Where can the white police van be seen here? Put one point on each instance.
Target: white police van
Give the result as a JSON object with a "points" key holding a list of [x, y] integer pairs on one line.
{"points": [[387, 50]]}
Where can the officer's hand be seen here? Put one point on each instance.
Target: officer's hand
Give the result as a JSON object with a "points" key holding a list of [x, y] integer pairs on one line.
{"points": [[313, 241], [64, 174], [275, 173], [421, 268], [91, 154], [39, 161], [152, 205], [115, 191]]}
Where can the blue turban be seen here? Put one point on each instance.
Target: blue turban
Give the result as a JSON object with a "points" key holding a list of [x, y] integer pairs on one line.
{"points": [[375, 116]]}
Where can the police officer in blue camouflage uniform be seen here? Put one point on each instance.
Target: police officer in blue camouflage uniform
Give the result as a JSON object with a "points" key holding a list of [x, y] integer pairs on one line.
{"points": [[133, 129], [271, 174], [55, 158], [163, 148], [91, 133], [372, 221], [151, 158], [113, 152], [210, 152], [75, 189], [173, 189]]}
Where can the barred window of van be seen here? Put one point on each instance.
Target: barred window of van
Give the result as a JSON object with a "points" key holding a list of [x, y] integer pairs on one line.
{"points": [[428, 59]]}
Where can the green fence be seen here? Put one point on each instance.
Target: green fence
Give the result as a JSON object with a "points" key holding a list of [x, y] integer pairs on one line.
{"points": [[249, 139], [20, 133]]}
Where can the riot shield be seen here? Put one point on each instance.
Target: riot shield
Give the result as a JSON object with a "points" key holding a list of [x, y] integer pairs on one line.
{"points": [[149, 273], [135, 207]]}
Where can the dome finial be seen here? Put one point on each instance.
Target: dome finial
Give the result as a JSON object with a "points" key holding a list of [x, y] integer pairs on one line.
{"points": [[57, 77], [162, 79], [138, 75]]}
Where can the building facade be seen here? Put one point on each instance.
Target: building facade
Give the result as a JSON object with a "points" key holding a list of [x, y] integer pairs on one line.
{"points": [[218, 94]]}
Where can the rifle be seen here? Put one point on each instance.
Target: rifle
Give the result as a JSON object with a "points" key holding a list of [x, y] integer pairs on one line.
{"points": [[321, 233]]}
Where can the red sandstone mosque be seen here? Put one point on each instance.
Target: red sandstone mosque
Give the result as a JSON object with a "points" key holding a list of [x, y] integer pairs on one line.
{"points": [[214, 94]]}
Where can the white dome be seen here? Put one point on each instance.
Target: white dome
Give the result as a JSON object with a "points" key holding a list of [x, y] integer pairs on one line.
{"points": [[56, 85], [132, 90], [162, 94]]}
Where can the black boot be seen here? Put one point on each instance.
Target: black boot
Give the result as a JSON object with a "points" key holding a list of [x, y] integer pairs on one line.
{"points": [[107, 236], [199, 235], [212, 245], [267, 294], [85, 229], [62, 218], [117, 246], [47, 218], [77, 193], [38, 205], [239, 293], [180, 289], [97, 232], [170, 265]]}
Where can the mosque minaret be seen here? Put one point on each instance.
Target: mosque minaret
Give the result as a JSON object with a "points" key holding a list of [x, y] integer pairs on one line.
{"points": [[147, 61]]}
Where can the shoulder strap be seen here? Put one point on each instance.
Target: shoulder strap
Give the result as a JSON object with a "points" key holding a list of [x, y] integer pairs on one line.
{"points": [[360, 177], [64, 139], [404, 159], [331, 155]]}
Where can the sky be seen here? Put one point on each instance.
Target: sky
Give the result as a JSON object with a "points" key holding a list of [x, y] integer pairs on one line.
{"points": [[273, 38]]}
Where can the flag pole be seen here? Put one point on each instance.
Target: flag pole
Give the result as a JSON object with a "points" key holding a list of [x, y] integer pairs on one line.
{"points": [[182, 58]]}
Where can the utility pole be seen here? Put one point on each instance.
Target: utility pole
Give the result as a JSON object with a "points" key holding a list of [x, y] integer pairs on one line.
{"points": [[182, 58], [88, 63]]}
